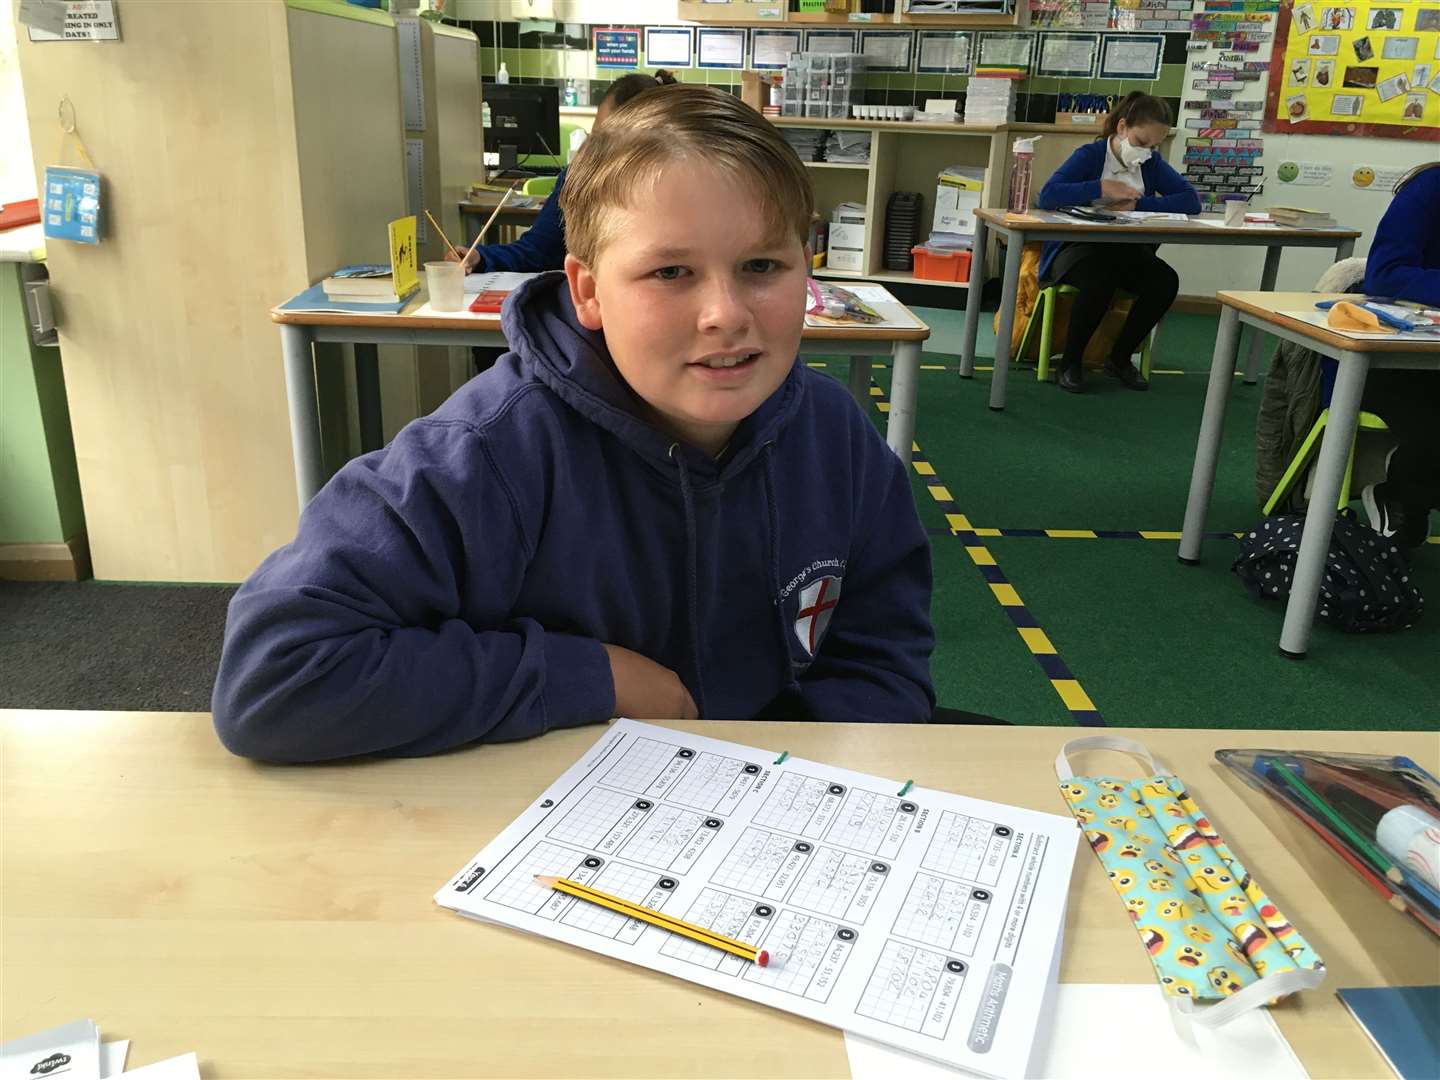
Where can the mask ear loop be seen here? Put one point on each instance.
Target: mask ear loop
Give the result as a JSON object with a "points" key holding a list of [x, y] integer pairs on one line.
{"points": [[1108, 742]]}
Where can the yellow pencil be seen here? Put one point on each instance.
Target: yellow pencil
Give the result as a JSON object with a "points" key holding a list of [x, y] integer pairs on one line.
{"points": [[655, 918]]}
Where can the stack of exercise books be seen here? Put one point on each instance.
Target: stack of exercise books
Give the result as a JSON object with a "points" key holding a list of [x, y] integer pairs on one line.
{"points": [[1302, 218], [990, 97]]}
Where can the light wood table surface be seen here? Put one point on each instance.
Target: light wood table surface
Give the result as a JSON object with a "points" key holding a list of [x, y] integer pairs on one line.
{"points": [[278, 920], [300, 330], [1355, 356], [1044, 225]]}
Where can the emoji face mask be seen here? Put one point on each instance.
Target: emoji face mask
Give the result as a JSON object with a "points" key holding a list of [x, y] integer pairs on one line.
{"points": [[1218, 945]]}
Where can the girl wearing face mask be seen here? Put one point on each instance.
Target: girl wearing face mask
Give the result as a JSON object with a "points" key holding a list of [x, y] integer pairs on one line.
{"points": [[1121, 170]]}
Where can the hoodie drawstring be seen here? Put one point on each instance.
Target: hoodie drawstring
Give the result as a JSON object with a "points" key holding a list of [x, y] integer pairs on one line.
{"points": [[773, 540], [692, 587]]}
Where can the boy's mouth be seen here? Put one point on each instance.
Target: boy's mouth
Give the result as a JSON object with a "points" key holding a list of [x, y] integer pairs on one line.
{"points": [[740, 358]]}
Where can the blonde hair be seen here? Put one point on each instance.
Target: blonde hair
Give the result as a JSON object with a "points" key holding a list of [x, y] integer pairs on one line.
{"points": [[681, 123]]}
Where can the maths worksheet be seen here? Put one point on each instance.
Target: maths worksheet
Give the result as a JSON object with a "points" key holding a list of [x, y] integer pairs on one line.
{"points": [[910, 916]]}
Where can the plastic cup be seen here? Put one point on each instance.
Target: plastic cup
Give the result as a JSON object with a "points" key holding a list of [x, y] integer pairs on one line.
{"points": [[1234, 212], [446, 282]]}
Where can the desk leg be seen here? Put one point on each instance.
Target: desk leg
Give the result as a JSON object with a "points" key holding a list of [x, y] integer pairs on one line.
{"points": [[367, 396], [1344, 250], [1324, 497], [972, 300], [1212, 424], [860, 380], [1257, 338], [304, 411], [998, 377], [904, 389]]}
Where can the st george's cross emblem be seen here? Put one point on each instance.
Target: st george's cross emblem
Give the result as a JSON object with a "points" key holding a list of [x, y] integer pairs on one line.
{"points": [[817, 604]]}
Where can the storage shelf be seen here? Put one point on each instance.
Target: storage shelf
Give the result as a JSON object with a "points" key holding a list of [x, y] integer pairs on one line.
{"points": [[863, 166], [897, 277], [826, 271]]}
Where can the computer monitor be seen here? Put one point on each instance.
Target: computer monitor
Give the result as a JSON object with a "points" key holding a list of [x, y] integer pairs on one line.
{"points": [[524, 120]]}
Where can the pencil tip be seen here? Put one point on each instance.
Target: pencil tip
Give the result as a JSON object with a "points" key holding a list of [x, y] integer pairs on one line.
{"points": [[548, 882]]}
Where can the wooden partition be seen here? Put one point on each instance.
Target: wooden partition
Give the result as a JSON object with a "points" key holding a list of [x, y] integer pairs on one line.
{"points": [[246, 150]]}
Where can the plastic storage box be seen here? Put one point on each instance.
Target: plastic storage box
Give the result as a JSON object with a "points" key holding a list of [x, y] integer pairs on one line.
{"points": [[934, 265]]}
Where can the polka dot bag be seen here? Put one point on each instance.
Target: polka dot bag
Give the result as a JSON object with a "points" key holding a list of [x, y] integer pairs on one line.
{"points": [[1367, 584]]}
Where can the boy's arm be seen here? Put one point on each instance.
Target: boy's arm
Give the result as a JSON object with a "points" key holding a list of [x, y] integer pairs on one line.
{"points": [[874, 662], [349, 640], [1173, 193], [1070, 185], [541, 248]]}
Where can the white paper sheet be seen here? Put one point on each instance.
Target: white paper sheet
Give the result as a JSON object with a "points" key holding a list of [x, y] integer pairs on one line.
{"points": [[112, 1058], [495, 279], [722, 48], [1319, 318], [927, 921], [184, 1067], [1250, 1046], [70, 1050]]}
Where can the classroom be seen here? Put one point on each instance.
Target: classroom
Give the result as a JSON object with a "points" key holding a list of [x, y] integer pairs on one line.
{"points": [[819, 465]]}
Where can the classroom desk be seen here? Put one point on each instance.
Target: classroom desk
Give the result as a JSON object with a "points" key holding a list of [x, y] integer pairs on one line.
{"points": [[300, 330], [511, 221], [1042, 225], [278, 920], [1355, 356]]}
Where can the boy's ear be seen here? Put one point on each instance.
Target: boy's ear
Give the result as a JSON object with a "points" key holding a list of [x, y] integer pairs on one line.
{"points": [[582, 293]]}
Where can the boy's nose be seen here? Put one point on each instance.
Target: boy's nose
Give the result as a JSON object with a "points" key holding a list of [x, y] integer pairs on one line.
{"points": [[723, 309]]}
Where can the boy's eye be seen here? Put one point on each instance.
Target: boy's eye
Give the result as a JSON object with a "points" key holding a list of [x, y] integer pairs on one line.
{"points": [[762, 266], [670, 273]]}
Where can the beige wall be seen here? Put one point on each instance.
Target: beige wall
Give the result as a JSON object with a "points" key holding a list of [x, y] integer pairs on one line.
{"points": [[173, 368]]}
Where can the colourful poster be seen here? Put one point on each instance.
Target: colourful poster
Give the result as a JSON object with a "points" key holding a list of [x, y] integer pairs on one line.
{"points": [[1355, 69], [617, 48]]}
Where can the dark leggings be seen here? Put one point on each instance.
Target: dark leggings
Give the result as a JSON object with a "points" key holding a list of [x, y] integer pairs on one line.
{"points": [[1137, 270], [1409, 403]]}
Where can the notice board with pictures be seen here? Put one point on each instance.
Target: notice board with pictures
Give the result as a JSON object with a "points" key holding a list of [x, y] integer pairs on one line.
{"points": [[1357, 69]]}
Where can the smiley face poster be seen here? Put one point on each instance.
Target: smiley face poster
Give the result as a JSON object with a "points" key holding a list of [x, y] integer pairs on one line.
{"points": [[1356, 69]]}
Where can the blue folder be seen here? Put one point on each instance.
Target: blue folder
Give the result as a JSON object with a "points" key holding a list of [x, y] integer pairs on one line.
{"points": [[1404, 1024]]}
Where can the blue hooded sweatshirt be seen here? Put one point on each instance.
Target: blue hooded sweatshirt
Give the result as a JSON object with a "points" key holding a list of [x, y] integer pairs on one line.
{"points": [[457, 585], [1077, 183]]}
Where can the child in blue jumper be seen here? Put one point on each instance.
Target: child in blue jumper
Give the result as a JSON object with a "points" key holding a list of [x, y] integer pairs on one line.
{"points": [[1121, 170], [1404, 263], [648, 508]]}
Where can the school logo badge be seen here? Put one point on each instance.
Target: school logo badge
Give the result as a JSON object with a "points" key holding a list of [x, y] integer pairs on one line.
{"points": [[817, 604]]}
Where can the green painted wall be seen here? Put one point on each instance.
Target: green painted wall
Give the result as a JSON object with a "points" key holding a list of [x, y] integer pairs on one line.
{"points": [[39, 484]]}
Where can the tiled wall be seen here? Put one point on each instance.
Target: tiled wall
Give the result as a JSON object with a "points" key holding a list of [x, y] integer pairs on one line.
{"points": [[550, 52]]}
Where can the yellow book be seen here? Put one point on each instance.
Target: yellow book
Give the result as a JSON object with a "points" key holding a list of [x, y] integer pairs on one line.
{"points": [[403, 268]]}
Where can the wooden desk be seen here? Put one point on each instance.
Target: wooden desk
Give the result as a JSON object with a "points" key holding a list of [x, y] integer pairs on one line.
{"points": [[511, 221], [1051, 226], [1264, 310], [278, 920], [300, 330]]}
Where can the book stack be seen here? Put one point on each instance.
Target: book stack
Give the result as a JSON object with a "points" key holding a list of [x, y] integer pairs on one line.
{"points": [[364, 283], [1301, 218], [990, 98], [902, 229], [808, 143]]}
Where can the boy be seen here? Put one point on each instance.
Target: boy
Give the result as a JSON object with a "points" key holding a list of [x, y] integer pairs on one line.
{"points": [[649, 508]]}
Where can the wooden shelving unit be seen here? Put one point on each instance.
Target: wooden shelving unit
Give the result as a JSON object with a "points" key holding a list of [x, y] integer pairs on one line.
{"points": [[762, 13]]}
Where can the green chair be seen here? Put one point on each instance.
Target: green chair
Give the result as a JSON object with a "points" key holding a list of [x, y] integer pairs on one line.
{"points": [[1045, 310], [1309, 448], [538, 185]]}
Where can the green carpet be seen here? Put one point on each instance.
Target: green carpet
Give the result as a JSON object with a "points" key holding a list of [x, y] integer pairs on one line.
{"points": [[1150, 641]]}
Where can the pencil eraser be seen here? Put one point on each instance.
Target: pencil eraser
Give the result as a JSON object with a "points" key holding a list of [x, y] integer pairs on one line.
{"points": [[763, 958]]}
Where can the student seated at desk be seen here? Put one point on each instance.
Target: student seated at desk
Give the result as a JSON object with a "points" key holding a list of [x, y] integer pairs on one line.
{"points": [[649, 508], [1118, 171], [1404, 263], [543, 245]]}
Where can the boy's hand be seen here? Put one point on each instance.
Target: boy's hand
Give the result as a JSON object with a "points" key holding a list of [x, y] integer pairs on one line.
{"points": [[471, 260], [644, 690]]}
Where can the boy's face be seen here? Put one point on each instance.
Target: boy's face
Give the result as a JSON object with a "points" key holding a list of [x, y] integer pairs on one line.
{"points": [[701, 311]]}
